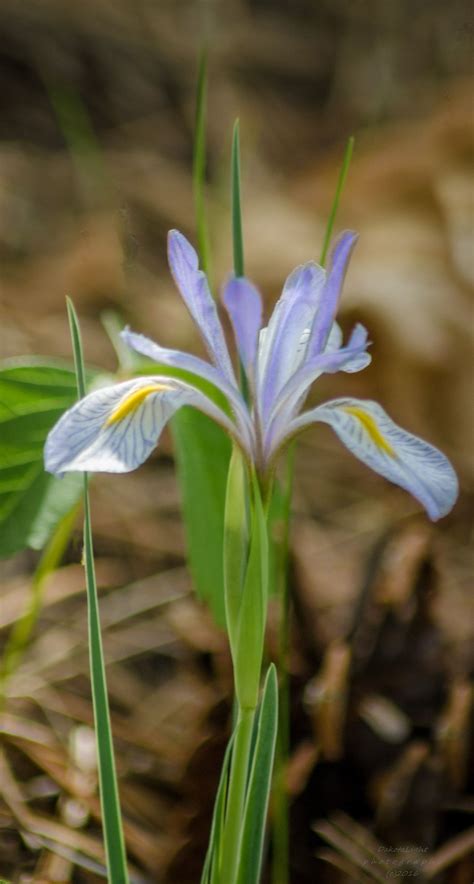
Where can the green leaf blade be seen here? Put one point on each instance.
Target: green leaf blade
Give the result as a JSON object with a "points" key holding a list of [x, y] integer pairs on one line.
{"points": [[346, 161], [256, 805], [33, 395], [199, 164], [237, 236], [109, 795], [202, 455]]}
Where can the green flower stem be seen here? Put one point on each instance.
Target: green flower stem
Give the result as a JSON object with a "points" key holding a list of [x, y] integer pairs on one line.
{"points": [[236, 795]]}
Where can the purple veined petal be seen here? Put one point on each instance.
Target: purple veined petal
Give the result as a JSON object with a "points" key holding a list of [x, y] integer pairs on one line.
{"points": [[199, 367], [114, 429], [244, 306], [366, 430], [283, 343], [331, 293], [352, 357], [194, 289]]}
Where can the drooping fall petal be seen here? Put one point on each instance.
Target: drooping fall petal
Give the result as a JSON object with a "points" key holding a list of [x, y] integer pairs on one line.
{"points": [[366, 430]]}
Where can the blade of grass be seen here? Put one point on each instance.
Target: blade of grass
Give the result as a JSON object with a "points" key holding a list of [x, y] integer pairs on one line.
{"points": [[210, 872], [199, 164], [202, 449], [109, 796], [84, 148], [23, 628], [237, 237], [256, 804], [346, 161], [280, 829]]}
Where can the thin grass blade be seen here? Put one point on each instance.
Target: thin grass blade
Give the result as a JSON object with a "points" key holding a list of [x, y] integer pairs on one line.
{"points": [[237, 237], [346, 161], [280, 865], [109, 796], [256, 805], [23, 628], [199, 164], [210, 872], [202, 449]]}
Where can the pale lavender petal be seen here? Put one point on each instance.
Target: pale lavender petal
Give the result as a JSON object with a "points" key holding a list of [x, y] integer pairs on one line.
{"points": [[283, 344], [331, 293], [114, 429], [367, 431], [244, 306], [351, 358], [194, 288], [194, 365], [358, 342], [334, 341]]}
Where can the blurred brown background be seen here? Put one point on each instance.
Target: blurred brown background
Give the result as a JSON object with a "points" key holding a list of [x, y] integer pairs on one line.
{"points": [[96, 134]]}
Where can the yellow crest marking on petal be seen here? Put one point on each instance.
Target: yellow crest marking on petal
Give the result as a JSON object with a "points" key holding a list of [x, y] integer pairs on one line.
{"points": [[132, 401], [371, 427]]}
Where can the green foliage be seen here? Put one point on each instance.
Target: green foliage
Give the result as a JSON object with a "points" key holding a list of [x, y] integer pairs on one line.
{"points": [[199, 164], [33, 395], [23, 627], [109, 797], [237, 236], [346, 161], [202, 449], [235, 542], [258, 792], [210, 872], [250, 632], [202, 452]]}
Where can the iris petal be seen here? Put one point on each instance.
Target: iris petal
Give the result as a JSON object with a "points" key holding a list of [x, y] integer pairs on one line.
{"points": [[192, 283], [351, 358], [244, 306], [194, 365], [331, 293], [367, 431], [115, 429], [283, 344]]}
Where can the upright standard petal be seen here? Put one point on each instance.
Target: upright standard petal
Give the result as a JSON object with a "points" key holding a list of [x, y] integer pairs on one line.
{"points": [[192, 283], [367, 431], [283, 343], [115, 429], [352, 357], [244, 306], [331, 294]]}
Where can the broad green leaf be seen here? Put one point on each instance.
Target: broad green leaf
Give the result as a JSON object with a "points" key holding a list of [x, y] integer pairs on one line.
{"points": [[109, 796], [202, 455], [251, 847], [33, 395]]}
